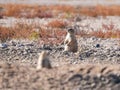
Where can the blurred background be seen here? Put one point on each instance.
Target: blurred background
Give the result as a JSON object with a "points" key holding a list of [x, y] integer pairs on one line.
{"points": [[70, 2]]}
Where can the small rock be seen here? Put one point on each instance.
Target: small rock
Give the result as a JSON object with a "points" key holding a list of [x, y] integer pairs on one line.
{"points": [[97, 45], [3, 45]]}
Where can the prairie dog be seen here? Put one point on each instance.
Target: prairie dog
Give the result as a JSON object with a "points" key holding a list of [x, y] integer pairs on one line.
{"points": [[43, 61], [70, 41]]}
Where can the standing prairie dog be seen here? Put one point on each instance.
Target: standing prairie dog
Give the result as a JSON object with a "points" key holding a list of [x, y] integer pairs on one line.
{"points": [[43, 61], [70, 41]]}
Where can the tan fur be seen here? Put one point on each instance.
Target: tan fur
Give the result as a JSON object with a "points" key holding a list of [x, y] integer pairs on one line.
{"points": [[43, 61], [70, 41]]}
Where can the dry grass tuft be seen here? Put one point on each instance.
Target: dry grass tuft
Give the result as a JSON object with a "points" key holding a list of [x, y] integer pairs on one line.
{"points": [[109, 32], [57, 24], [27, 11], [19, 31], [6, 33], [63, 8], [1, 16], [100, 10], [52, 37], [26, 31]]}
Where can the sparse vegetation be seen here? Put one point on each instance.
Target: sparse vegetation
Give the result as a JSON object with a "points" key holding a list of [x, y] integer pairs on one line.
{"points": [[54, 35], [109, 32], [22, 30], [27, 11], [100, 10], [56, 31], [31, 11], [19, 31], [57, 24]]}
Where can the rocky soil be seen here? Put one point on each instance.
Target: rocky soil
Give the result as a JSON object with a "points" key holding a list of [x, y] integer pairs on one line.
{"points": [[90, 50]]}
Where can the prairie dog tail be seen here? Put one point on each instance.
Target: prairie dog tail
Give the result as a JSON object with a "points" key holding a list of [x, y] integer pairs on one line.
{"points": [[43, 61]]}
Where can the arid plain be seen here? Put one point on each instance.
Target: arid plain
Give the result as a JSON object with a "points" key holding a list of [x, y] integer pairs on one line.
{"points": [[26, 29]]}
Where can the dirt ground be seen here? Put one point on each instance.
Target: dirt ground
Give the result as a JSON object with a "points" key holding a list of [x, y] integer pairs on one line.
{"points": [[84, 76]]}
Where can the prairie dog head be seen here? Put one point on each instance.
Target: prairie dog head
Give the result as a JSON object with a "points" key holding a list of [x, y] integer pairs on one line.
{"points": [[43, 55], [43, 61], [71, 31]]}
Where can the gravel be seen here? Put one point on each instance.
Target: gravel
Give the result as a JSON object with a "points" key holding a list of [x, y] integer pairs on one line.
{"points": [[90, 50]]}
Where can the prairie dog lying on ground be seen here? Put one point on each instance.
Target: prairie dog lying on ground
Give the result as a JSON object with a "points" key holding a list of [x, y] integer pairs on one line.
{"points": [[43, 61], [70, 41]]}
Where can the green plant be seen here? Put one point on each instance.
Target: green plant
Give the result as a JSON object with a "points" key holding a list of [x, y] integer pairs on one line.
{"points": [[34, 35]]}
